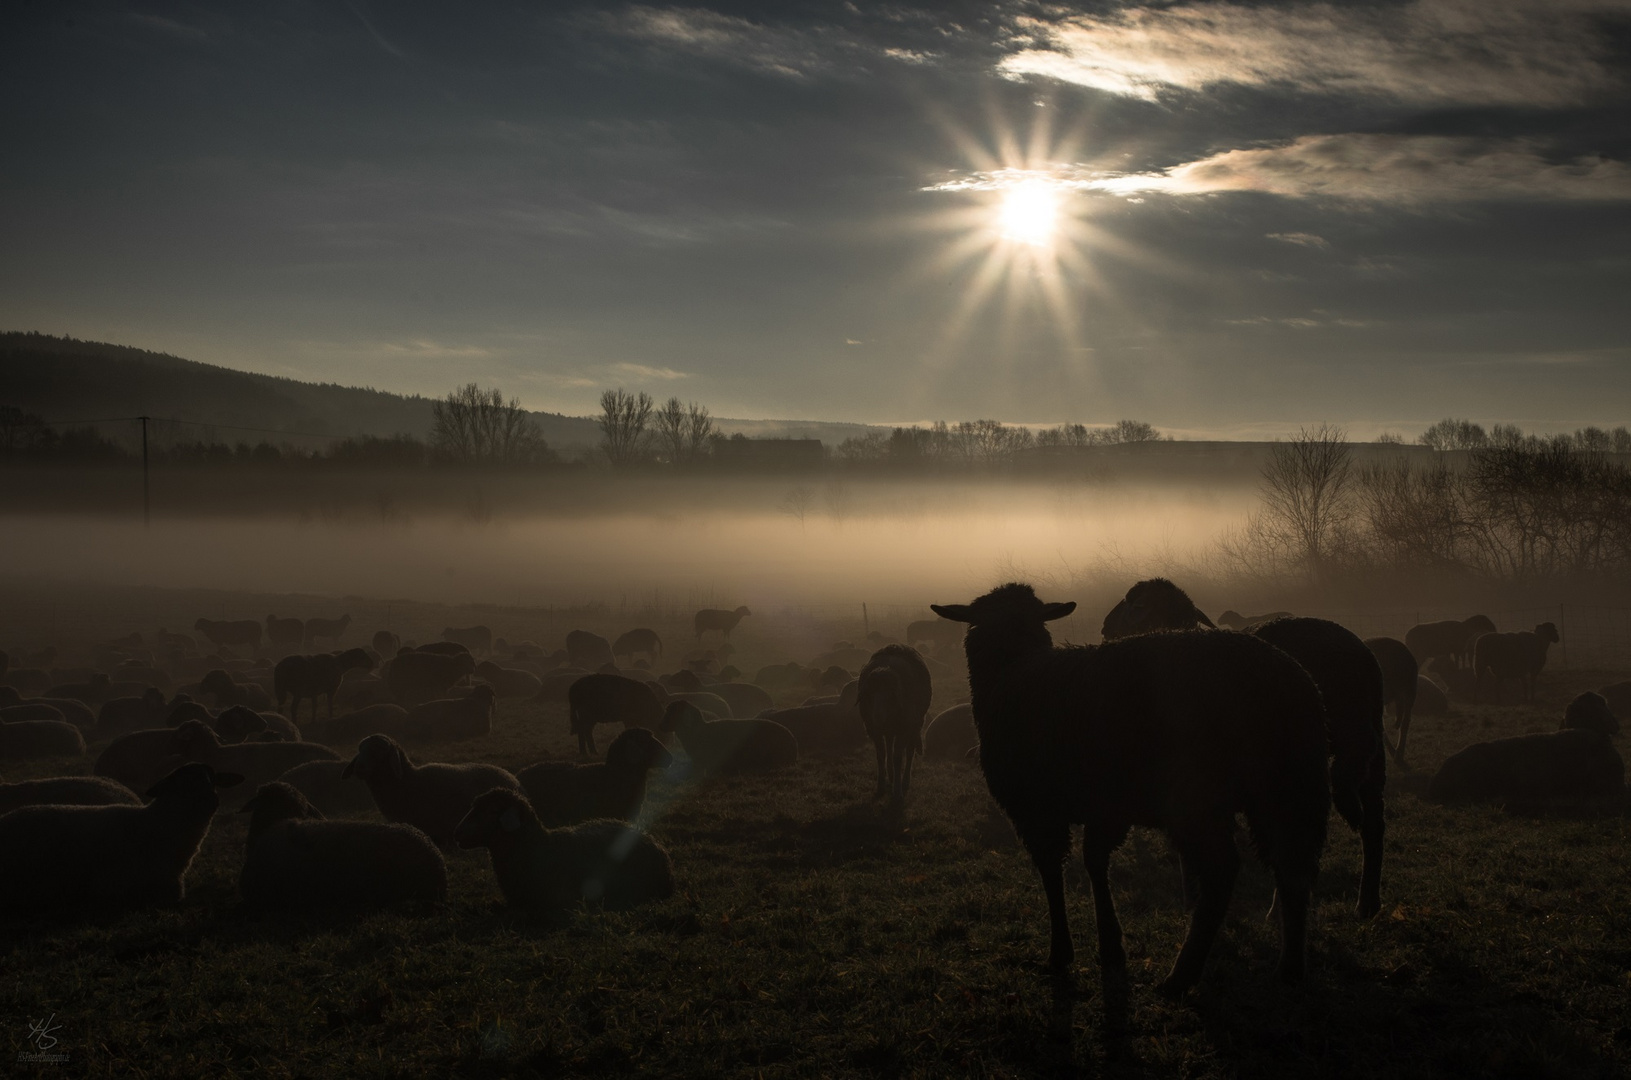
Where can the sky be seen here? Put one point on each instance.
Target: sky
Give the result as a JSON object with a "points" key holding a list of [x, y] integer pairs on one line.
{"points": [[1222, 218]]}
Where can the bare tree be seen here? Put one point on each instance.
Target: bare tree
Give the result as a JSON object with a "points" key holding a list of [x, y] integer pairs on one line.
{"points": [[1306, 493], [796, 503], [623, 422], [671, 430], [475, 426], [699, 431], [1451, 434]]}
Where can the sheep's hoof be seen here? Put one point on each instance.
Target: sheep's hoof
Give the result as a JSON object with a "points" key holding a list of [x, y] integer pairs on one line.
{"points": [[1171, 988], [1059, 963], [1369, 907], [1113, 957]]}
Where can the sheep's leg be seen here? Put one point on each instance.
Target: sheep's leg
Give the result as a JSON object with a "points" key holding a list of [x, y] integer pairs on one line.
{"points": [[1371, 830], [906, 755], [1404, 734], [1291, 892], [1215, 862], [1048, 850], [880, 744], [1096, 859]]}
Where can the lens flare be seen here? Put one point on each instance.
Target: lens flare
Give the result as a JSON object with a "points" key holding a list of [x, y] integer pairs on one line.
{"points": [[1029, 213]]}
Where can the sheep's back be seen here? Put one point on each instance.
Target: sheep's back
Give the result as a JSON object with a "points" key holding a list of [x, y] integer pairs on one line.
{"points": [[329, 863]]}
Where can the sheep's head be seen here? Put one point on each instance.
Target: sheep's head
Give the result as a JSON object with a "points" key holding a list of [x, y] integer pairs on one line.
{"points": [[1153, 604], [193, 786], [679, 716], [277, 801], [194, 737], [1590, 710], [357, 660], [636, 749], [1547, 632], [238, 723], [1010, 605], [216, 681], [377, 756], [493, 818]]}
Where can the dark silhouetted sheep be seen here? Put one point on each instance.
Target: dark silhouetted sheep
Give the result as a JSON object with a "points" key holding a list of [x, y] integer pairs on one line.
{"points": [[1152, 604], [729, 747], [509, 682], [893, 699], [1513, 656], [415, 677], [66, 791], [714, 619], [638, 641], [1590, 712], [1234, 620], [1572, 766], [1618, 696], [564, 793], [226, 690], [25, 739], [126, 714], [257, 762], [310, 677], [1401, 677], [433, 797], [325, 785], [588, 650], [611, 699], [453, 719], [385, 643]]}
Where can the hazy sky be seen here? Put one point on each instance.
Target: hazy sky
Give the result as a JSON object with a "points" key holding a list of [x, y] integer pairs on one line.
{"points": [[1262, 214]]}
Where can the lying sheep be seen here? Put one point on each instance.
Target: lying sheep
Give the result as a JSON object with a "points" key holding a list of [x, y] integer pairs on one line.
{"points": [[235, 724], [1110, 736], [638, 641], [285, 633], [414, 677], [704, 700], [243, 632], [257, 762], [744, 699], [56, 857], [730, 747], [605, 864], [611, 699], [1234, 620], [832, 729], [777, 676], [296, 859], [1573, 766], [1590, 712], [1513, 656], [30, 682], [66, 791], [1400, 678], [563, 793], [451, 719], [478, 639], [25, 740], [139, 759], [73, 711], [319, 675], [330, 629], [121, 715], [684, 681], [893, 698], [714, 619], [951, 734], [228, 691], [432, 797], [509, 682], [385, 643], [325, 785], [95, 690], [346, 730]]}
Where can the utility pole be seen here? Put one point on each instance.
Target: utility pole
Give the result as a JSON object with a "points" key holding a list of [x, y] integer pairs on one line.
{"points": [[147, 507]]}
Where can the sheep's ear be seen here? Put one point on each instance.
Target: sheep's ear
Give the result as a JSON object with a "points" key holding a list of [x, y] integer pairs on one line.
{"points": [[399, 764], [510, 820], [1051, 612], [350, 770], [228, 779], [1201, 615], [954, 612]]}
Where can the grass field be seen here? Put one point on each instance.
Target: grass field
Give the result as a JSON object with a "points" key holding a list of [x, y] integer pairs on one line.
{"points": [[814, 934]]}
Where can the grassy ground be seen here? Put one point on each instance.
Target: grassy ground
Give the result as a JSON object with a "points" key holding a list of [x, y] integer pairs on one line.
{"points": [[816, 935]]}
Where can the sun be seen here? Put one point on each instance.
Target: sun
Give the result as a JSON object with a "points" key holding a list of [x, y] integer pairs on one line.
{"points": [[1028, 213]]}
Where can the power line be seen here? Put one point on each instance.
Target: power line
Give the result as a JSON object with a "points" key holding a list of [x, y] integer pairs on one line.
{"points": [[194, 423]]}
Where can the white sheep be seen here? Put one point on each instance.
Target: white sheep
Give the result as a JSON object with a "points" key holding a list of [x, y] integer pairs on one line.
{"points": [[296, 858], [433, 797]]}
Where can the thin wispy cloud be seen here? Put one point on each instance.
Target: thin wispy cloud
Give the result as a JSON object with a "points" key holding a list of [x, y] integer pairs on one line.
{"points": [[627, 370], [1444, 52], [1301, 239]]}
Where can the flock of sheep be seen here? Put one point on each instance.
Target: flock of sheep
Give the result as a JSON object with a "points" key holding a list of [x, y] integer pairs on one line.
{"points": [[1171, 723]]}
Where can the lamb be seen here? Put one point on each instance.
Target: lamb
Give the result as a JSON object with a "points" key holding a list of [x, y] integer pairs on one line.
{"points": [[1401, 677], [638, 641], [1517, 656], [414, 677], [55, 857], [331, 629], [607, 699], [257, 762], [563, 793], [228, 691], [22, 740], [294, 858], [602, 863], [1590, 712], [386, 643], [588, 651], [729, 747], [325, 786], [434, 797], [893, 698], [120, 715], [450, 719], [287, 633], [951, 734], [301, 677], [242, 632], [66, 791], [1572, 766], [1106, 736], [714, 619], [509, 682], [475, 638], [1234, 620]]}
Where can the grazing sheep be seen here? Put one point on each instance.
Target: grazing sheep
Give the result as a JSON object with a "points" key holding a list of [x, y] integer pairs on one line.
{"points": [[729, 747], [1618, 697], [475, 638], [451, 719], [228, 691], [432, 797], [66, 791], [587, 650], [1449, 640], [415, 677], [604, 864], [611, 699], [638, 641], [1401, 676], [1153, 604], [893, 698], [257, 762], [1475, 626], [331, 629], [302, 677], [120, 715], [294, 858], [1234, 620], [509, 682], [951, 734], [1590, 712], [23, 740], [242, 632], [744, 699], [55, 857], [714, 619], [1430, 698], [386, 643], [563, 793], [325, 786], [285, 633], [1572, 766], [238, 723], [1513, 656], [1179, 731]]}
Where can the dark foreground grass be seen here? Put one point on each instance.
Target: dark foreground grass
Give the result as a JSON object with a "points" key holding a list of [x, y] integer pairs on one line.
{"points": [[817, 935]]}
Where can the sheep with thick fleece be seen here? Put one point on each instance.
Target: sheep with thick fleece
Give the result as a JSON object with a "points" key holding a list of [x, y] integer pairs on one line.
{"points": [[715, 619], [414, 677], [1591, 712], [452, 719], [588, 650], [56, 857], [509, 682], [641, 640], [325, 785], [385, 643], [73, 711], [1513, 656], [1401, 679], [257, 762], [237, 723], [599, 698], [606, 864], [294, 858], [66, 791], [1178, 731], [1571, 766], [27, 739], [1150, 605], [743, 699], [565, 793], [319, 675], [433, 797], [729, 747], [1234, 620], [893, 696]]}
